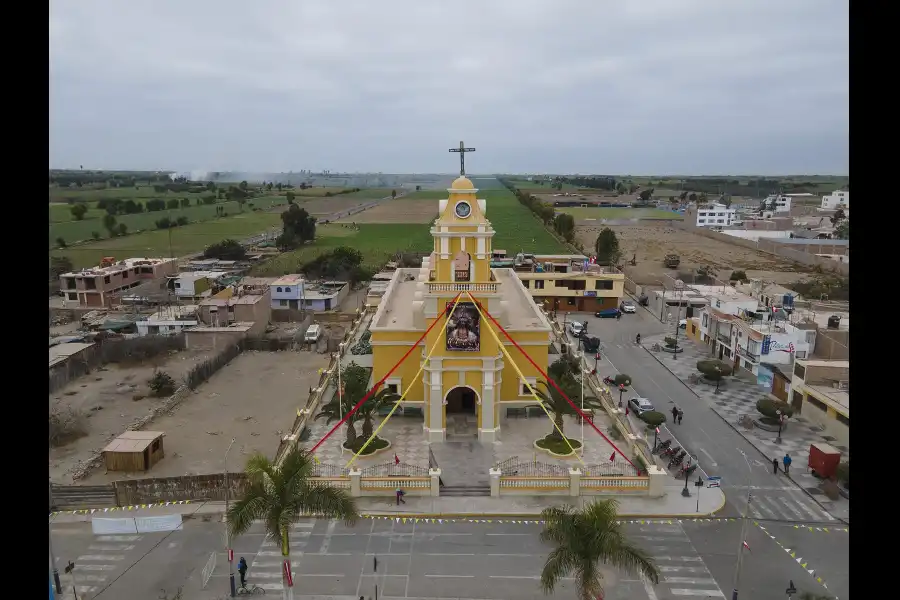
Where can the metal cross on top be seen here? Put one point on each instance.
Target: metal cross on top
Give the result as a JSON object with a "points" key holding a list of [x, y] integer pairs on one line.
{"points": [[462, 157]]}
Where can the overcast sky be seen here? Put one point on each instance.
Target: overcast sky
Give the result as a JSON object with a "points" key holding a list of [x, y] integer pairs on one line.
{"points": [[559, 86]]}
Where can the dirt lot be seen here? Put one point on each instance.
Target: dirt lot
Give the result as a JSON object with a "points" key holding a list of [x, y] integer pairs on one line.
{"points": [[330, 206], [106, 398], [401, 210], [652, 241], [233, 404]]}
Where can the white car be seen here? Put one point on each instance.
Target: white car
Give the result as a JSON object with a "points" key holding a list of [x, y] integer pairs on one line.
{"points": [[682, 324], [628, 307], [640, 405], [576, 329]]}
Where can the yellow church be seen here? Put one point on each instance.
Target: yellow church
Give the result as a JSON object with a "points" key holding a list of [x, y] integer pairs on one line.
{"points": [[467, 384]]}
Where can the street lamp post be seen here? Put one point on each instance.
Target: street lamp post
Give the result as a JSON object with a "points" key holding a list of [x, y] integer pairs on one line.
{"points": [[699, 486], [686, 492], [740, 556], [56, 581], [596, 360], [718, 371], [621, 391], [655, 438], [227, 531], [679, 286], [781, 416]]}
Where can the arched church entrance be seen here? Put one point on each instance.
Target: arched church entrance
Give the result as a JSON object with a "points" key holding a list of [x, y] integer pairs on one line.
{"points": [[462, 413]]}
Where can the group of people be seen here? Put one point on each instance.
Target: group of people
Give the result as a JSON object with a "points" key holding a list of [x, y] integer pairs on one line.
{"points": [[786, 461], [677, 415]]}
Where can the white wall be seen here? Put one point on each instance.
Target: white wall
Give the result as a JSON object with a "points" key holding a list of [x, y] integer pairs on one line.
{"points": [[834, 199], [756, 234]]}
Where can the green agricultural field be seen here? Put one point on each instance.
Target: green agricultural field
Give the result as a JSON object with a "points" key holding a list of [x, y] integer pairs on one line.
{"points": [[581, 213], [75, 231], [87, 194], [377, 242], [185, 240]]}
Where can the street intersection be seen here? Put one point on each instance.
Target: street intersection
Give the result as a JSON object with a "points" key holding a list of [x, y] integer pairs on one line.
{"points": [[453, 559]]}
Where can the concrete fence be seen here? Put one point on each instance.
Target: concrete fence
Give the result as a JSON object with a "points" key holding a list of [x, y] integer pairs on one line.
{"points": [[575, 483]]}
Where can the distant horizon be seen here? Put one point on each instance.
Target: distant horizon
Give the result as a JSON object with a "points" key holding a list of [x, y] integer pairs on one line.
{"points": [[456, 174]]}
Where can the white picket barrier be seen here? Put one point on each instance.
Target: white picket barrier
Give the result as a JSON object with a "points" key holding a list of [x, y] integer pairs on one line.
{"points": [[208, 569]]}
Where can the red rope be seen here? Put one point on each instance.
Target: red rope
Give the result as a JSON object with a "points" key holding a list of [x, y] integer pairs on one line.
{"points": [[553, 383], [377, 385]]}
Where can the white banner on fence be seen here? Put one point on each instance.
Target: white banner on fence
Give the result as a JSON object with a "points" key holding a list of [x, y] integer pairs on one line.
{"points": [[155, 524], [111, 526]]}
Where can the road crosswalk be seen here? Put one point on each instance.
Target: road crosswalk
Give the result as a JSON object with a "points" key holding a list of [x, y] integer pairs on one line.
{"points": [[682, 570], [93, 568], [265, 569], [779, 504]]}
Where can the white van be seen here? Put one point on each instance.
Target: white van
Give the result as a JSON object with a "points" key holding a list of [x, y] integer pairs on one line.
{"points": [[313, 334]]}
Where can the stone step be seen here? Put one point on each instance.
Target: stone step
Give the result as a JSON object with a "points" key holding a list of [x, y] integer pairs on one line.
{"points": [[466, 490]]}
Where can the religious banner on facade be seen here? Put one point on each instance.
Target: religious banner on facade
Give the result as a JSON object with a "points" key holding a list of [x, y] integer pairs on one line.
{"points": [[464, 328], [461, 266]]}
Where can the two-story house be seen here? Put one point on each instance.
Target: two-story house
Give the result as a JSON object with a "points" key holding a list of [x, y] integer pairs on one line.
{"points": [[565, 283], [96, 287], [820, 391]]}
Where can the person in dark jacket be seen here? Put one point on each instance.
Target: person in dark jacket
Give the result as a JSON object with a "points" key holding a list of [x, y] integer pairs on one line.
{"points": [[242, 569], [775, 466]]}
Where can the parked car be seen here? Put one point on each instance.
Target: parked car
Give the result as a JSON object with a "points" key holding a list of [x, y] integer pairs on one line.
{"points": [[607, 313], [576, 329], [682, 324], [628, 307], [640, 405]]}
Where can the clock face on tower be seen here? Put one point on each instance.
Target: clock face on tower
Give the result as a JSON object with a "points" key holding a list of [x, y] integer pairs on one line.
{"points": [[463, 210]]}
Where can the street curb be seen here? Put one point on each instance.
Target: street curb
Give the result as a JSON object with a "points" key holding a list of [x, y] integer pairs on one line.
{"points": [[741, 433]]}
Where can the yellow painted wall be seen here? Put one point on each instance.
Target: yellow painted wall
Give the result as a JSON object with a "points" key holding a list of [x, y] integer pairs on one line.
{"points": [[551, 289], [509, 389], [444, 267], [385, 357]]}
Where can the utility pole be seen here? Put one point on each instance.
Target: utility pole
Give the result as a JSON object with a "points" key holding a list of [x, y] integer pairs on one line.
{"points": [[227, 530], [56, 581], [679, 285]]}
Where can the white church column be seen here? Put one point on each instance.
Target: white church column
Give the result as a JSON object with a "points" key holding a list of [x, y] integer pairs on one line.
{"points": [[434, 428], [489, 430]]}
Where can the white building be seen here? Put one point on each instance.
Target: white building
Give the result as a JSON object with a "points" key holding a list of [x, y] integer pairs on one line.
{"points": [[169, 320], [287, 292], [782, 203], [715, 215], [196, 285], [835, 200]]}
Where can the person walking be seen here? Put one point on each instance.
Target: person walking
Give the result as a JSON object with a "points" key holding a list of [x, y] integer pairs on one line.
{"points": [[674, 414], [787, 463], [242, 569], [680, 415], [400, 494], [775, 466]]}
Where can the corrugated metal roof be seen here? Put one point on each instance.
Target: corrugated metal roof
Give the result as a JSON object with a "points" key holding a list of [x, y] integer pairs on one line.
{"points": [[133, 441]]}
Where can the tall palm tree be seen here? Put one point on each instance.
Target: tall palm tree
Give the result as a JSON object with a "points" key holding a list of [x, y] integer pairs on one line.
{"points": [[336, 409], [280, 495], [584, 539], [556, 403], [368, 411]]}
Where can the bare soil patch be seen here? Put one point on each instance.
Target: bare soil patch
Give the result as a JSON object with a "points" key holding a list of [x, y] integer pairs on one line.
{"points": [[106, 398], [650, 242], [329, 206], [401, 210], [254, 399]]}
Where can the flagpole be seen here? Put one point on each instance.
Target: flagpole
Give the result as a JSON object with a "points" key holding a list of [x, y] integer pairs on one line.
{"points": [[581, 364]]}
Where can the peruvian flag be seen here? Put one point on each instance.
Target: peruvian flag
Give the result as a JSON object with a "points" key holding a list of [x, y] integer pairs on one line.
{"points": [[612, 457], [286, 569], [746, 545], [396, 459]]}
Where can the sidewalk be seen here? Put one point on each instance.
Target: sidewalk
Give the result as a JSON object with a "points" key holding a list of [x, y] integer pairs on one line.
{"points": [[672, 505], [738, 398]]}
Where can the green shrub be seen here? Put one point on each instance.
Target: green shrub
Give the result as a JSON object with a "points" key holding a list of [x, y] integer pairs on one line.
{"points": [[738, 276], [714, 369], [670, 342], [653, 418], [162, 384], [622, 379], [557, 445], [767, 408], [641, 463]]}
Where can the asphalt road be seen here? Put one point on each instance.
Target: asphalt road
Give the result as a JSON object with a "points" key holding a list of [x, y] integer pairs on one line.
{"points": [[720, 450], [450, 560]]}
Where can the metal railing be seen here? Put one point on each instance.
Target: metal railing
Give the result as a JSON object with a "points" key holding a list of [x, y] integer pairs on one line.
{"points": [[514, 467], [325, 470], [394, 470], [432, 461]]}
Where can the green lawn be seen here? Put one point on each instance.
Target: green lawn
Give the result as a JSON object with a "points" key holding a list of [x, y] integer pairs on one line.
{"points": [[75, 231], [377, 242], [617, 213], [185, 240]]}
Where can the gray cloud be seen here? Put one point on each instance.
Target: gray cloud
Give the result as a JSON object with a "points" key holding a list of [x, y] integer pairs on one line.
{"points": [[639, 86]]}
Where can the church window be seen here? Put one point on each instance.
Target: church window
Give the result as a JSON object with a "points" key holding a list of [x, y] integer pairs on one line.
{"points": [[523, 389], [393, 385]]}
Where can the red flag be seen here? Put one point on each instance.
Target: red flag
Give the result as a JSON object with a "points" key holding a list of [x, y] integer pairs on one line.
{"points": [[612, 457], [747, 546], [396, 459]]}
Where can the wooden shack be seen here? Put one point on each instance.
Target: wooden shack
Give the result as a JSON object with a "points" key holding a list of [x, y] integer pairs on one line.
{"points": [[134, 451]]}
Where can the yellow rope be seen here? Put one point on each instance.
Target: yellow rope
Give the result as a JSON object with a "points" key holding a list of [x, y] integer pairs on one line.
{"points": [[486, 323], [409, 387]]}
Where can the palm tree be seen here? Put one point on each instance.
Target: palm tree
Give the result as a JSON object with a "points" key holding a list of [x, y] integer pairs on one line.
{"points": [[369, 410], [556, 403], [584, 539], [280, 495], [336, 409]]}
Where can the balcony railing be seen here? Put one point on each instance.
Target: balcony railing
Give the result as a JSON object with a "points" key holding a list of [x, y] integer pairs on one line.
{"points": [[754, 356], [724, 338], [452, 286]]}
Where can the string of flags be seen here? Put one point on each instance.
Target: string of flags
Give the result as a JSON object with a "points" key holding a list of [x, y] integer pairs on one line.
{"points": [[793, 554], [91, 511]]}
